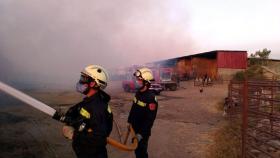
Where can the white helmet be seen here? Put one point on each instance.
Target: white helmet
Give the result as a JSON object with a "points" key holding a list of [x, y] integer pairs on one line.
{"points": [[145, 74], [98, 74]]}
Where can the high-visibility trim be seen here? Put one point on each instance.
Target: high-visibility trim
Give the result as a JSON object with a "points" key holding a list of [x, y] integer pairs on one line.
{"points": [[85, 113], [138, 102], [109, 109], [141, 103], [156, 99]]}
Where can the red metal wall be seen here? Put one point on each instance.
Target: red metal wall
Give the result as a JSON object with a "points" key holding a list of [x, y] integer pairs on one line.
{"points": [[232, 59]]}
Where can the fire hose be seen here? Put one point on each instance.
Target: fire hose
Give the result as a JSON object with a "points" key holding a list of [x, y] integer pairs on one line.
{"points": [[67, 130]]}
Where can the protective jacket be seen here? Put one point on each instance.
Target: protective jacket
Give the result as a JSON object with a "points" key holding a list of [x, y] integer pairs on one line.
{"points": [[92, 120], [143, 112]]}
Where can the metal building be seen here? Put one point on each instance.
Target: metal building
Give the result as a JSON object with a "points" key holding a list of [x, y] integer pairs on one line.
{"points": [[216, 64]]}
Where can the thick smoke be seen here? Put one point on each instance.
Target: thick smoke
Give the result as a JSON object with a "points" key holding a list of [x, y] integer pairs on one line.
{"points": [[45, 44]]}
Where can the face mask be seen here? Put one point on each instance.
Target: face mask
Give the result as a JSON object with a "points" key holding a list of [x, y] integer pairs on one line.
{"points": [[82, 88], [138, 85]]}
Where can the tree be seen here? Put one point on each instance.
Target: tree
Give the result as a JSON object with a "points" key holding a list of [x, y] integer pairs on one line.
{"points": [[260, 57]]}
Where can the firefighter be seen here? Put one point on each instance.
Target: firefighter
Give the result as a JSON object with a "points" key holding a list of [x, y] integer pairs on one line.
{"points": [[92, 118], [143, 111]]}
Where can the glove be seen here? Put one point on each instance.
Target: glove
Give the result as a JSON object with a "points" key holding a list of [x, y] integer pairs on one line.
{"points": [[138, 137], [58, 116]]}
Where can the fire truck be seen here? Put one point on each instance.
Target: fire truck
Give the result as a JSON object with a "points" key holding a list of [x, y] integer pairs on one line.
{"points": [[166, 77]]}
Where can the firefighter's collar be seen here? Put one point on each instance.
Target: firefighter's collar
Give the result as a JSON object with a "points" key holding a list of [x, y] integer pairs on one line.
{"points": [[93, 97]]}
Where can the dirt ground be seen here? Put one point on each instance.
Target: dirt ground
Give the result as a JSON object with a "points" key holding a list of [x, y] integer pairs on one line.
{"points": [[186, 118]]}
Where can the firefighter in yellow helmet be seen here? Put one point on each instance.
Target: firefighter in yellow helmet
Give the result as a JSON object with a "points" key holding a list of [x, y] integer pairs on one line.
{"points": [[143, 111], [92, 118]]}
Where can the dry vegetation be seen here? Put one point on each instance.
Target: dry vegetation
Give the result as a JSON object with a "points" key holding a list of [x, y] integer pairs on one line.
{"points": [[227, 143]]}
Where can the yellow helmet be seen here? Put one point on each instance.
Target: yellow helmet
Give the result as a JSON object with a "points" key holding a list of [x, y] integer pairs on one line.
{"points": [[98, 74], [145, 74]]}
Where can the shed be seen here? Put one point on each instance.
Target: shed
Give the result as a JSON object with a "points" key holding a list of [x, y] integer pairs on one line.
{"points": [[216, 64]]}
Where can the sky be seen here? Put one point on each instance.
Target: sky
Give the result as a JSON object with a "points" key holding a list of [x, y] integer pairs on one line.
{"points": [[236, 24], [45, 44]]}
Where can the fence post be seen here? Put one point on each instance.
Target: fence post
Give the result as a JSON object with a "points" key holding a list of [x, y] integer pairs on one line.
{"points": [[272, 106], [229, 92], [244, 117]]}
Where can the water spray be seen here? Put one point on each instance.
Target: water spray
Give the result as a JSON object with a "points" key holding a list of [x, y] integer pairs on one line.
{"points": [[27, 99]]}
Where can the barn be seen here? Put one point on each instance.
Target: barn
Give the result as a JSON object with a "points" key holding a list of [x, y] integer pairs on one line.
{"points": [[216, 64]]}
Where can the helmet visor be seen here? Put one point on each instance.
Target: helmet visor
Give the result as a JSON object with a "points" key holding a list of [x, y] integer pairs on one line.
{"points": [[84, 78]]}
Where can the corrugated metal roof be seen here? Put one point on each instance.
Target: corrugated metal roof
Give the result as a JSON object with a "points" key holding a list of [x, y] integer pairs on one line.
{"points": [[215, 52], [210, 53]]}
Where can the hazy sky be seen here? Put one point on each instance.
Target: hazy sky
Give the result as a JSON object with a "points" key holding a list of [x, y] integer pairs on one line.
{"points": [[236, 24], [47, 43]]}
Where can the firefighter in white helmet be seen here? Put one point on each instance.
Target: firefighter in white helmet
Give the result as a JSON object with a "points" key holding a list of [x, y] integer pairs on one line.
{"points": [[92, 118], [143, 111]]}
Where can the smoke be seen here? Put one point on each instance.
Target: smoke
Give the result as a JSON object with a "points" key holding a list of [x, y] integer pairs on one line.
{"points": [[45, 44]]}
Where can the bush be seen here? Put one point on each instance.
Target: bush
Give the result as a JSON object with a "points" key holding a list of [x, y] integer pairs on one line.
{"points": [[239, 76], [253, 72]]}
